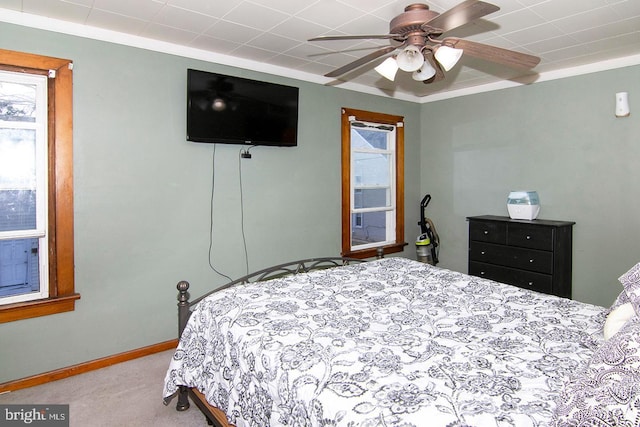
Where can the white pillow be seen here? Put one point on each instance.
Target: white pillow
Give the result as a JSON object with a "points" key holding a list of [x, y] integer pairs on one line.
{"points": [[617, 318], [631, 283]]}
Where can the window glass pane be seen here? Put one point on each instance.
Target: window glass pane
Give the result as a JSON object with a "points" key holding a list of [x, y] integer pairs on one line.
{"points": [[361, 138], [371, 169], [368, 227], [19, 269], [17, 102], [373, 198], [17, 158], [357, 198], [17, 210], [17, 180], [357, 221]]}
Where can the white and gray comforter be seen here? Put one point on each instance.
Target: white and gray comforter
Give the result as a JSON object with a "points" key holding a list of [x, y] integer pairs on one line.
{"points": [[391, 342]]}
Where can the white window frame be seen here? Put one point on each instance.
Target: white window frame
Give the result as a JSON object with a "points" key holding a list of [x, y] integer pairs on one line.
{"points": [[40, 127], [390, 208]]}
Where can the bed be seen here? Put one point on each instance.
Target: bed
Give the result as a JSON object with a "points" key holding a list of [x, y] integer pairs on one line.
{"points": [[395, 342]]}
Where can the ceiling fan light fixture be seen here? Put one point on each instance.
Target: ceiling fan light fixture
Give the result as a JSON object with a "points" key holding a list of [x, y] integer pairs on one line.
{"points": [[388, 68], [410, 59], [447, 56], [424, 73], [417, 33], [219, 104]]}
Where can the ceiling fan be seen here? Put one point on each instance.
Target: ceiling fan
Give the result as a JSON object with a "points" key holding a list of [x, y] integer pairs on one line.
{"points": [[423, 52]]}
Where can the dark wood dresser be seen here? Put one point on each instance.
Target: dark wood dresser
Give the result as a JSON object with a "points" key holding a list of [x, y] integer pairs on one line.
{"points": [[529, 254]]}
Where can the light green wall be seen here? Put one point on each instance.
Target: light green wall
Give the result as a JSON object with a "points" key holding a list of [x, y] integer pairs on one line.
{"points": [[560, 138], [142, 198]]}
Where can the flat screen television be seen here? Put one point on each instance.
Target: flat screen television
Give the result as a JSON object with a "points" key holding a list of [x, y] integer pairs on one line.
{"points": [[235, 110]]}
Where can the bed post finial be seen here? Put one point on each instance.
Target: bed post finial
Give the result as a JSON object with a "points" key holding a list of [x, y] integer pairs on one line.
{"points": [[380, 253], [183, 288]]}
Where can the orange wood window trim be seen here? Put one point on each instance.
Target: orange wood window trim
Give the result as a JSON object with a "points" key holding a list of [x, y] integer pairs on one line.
{"points": [[62, 295], [368, 116]]}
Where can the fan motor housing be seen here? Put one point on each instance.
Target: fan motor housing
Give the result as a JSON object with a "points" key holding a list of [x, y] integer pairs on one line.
{"points": [[411, 19]]}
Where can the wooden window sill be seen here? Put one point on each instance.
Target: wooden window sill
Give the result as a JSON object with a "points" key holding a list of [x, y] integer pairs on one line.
{"points": [[37, 308], [373, 252]]}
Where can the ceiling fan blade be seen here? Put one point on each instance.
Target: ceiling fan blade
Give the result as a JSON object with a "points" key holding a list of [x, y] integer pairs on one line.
{"points": [[492, 53], [359, 37], [459, 15], [359, 62]]}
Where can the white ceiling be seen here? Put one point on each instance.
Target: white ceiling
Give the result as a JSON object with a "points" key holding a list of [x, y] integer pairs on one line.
{"points": [[271, 35]]}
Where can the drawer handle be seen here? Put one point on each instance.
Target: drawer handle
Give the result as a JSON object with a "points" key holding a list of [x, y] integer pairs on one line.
{"points": [[486, 232], [531, 261], [530, 283], [482, 273], [528, 237], [481, 252]]}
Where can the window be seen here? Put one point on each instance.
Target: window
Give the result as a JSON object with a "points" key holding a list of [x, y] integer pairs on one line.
{"points": [[36, 186], [23, 208], [372, 183]]}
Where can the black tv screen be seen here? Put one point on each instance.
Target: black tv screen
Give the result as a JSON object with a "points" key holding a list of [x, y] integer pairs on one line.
{"points": [[235, 110]]}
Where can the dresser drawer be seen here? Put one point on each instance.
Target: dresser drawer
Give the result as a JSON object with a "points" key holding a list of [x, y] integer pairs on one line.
{"points": [[509, 256], [494, 232], [522, 279], [528, 236]]}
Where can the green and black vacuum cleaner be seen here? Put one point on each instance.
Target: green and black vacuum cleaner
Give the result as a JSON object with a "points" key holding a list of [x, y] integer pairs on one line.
{"points": [[428, 242]]}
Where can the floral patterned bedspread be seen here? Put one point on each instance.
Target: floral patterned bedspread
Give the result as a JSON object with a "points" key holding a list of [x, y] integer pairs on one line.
{"points": [[392, 342]]}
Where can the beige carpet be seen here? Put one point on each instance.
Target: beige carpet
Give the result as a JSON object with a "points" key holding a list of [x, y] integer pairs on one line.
{"points": [[126, 394]]}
